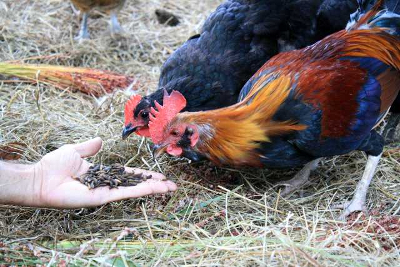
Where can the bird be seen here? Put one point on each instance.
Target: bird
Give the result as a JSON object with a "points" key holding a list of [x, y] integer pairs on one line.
{"points": [[300, 106], [110, 6], [211, 68]]}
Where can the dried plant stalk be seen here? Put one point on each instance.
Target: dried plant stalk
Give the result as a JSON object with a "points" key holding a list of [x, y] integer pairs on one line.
{"points": [[12, 151], [89, 81]]}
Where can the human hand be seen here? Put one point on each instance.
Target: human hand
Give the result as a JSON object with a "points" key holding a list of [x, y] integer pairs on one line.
{"points": [[55, 184]]}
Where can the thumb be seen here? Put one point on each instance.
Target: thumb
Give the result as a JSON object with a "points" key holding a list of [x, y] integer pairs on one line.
{"points": [[88, 148]]}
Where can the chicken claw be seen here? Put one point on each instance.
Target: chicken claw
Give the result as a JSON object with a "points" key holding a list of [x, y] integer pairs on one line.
{"points": [[300, 179], [349, 207]]}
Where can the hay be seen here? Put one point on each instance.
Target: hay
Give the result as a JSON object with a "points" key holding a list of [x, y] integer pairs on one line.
{"points": [[89, 81], [219, 216]]}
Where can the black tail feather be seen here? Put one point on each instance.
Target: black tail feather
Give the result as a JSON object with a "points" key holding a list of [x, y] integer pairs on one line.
{"points": [[364, 5], [393, 5]]}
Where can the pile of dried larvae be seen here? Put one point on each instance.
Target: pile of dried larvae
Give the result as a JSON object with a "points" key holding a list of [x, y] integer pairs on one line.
{"points": [[112, 176]]}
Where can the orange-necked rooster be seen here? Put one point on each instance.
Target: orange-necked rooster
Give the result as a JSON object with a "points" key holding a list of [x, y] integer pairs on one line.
{"points": [[320, 101], [212, 67]]}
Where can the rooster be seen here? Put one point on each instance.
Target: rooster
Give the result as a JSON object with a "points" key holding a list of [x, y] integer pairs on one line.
{"points": [[111, 6], [323, 100], [211, 68]]}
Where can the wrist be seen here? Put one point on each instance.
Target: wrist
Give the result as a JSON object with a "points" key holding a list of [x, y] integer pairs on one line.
{"points": [[18, 184], [36, 176]]}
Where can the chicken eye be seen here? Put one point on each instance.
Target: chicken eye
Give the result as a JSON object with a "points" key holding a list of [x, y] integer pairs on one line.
{"points": [[145, 114], [175, 133]]}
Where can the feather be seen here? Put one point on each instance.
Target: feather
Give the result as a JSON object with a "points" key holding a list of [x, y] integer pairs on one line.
{"points": [[319, 101], [86, 5]]}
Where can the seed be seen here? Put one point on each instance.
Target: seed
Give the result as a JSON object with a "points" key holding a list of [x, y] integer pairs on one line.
{"points": [[95, 168], [138, 175], [107, 168]]}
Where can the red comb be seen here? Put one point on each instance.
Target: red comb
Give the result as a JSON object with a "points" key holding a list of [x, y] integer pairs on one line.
{"points": [[159, 119], [130, 106]]}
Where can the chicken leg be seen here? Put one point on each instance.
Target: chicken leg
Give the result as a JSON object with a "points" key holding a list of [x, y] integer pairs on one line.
{"points": [[300, 178], [76, 11], [115, 26], [83, 32], [359, 198]]}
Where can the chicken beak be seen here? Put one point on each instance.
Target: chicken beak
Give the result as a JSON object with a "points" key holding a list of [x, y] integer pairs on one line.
{"points": [[128, 130], [192, 155], [158, 150]]}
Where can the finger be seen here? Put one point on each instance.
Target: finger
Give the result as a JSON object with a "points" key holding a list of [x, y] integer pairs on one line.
{"points": [[154, 175], [149, 187], [88, 148], [76, 195], [83, 168]]}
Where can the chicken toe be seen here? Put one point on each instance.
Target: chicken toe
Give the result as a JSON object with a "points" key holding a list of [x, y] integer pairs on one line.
{"points": [[300, 178]]}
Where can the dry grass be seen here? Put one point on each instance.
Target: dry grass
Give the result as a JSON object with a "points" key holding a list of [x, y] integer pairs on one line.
{"points": [[219, 216]]}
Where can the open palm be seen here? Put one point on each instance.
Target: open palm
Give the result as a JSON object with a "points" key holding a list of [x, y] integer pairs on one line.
{"points": [[58, 187]]}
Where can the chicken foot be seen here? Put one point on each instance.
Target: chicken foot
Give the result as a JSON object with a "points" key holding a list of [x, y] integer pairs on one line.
{"points": [[300, 178], [359, 198]]}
